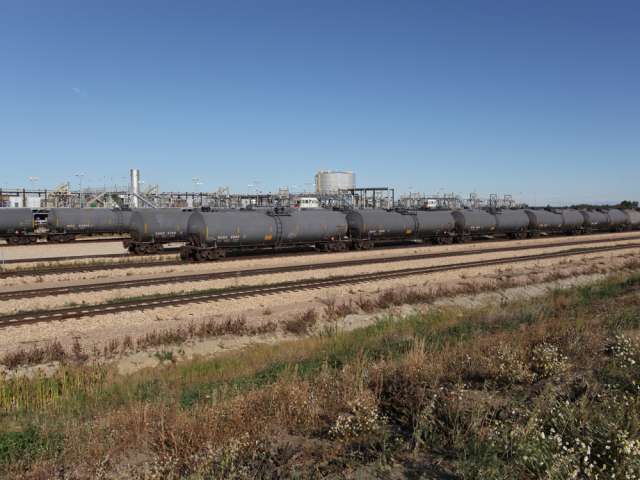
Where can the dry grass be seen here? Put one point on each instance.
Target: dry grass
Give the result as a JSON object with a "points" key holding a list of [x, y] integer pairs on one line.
{"points": [[49, 352], [522, 390], [302, 323]]}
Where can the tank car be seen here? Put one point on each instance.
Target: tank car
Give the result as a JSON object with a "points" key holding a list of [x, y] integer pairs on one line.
{"points": [[151, 228], [633, 218], [212, 234], [437, 225], [595, 220], [512, 223], [17, 226], [618, 221], [572, 221], [473, 223], [544, 221], [368, 226], [65, 223]]}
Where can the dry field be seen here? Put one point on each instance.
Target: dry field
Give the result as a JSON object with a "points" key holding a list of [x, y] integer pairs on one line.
{"points": [[132, 339], [510, 389]]}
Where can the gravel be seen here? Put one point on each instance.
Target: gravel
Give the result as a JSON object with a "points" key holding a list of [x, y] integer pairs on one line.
{"points": [[98, 330]]}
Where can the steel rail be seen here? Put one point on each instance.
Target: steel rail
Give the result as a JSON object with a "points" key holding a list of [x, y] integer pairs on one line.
{"points": [[235, 257], [201, 277], [71, 242], [152, 302]]}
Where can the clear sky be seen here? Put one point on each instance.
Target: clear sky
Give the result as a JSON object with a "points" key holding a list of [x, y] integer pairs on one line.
{"points": [[540, 99]]}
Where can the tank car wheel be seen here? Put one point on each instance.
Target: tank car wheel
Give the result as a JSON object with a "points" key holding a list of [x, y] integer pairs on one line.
{"points": [[33, 239], [340, 247], [184, 253], [221, 253]]}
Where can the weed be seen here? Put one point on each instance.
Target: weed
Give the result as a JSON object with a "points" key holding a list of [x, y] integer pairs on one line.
{"points": [[301, 323]]}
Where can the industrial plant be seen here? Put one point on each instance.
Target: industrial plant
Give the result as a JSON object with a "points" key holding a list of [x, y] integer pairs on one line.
{"points": [[332, 189]]}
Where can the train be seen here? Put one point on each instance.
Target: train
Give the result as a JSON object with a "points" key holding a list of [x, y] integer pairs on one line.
{"points": [[211, 235], [22, 226], [65, 223]]}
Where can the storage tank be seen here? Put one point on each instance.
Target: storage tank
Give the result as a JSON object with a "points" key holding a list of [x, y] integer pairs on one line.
{"points": [[474, 222], [159, 225], [88, 220], [512, 221], [543, 220], [331, 182], [380, 224]]}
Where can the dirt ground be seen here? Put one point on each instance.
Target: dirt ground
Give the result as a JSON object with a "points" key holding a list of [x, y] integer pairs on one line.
{"points": [[36, 280], [98, 331], [48, 302], [44, 251]]}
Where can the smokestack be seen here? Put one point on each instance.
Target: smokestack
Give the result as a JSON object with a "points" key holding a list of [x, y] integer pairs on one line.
{"points": [[135, 187]]}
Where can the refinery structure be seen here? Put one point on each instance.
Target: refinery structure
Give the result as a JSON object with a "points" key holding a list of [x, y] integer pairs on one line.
{"points": [[331, 189]]}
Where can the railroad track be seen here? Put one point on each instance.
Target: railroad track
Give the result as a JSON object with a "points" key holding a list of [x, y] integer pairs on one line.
{"points": [[201, 277], [76, 241], [63, 269], [172, 250], [259, 290]]}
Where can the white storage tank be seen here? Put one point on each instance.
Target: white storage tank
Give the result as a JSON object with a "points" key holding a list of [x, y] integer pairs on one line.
{"points": [[332, 181]]}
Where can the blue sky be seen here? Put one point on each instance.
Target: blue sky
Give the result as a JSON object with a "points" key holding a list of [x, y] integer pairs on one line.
{"points": [[537, 99]]}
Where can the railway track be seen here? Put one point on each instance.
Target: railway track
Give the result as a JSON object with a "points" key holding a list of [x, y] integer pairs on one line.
{"points": [[160, 301], [201, 277], [63, 269], [76, 241], [169, 251]]}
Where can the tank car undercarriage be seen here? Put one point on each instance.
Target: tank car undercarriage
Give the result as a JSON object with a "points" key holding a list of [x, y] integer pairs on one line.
{"points": [[143, 248]]}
